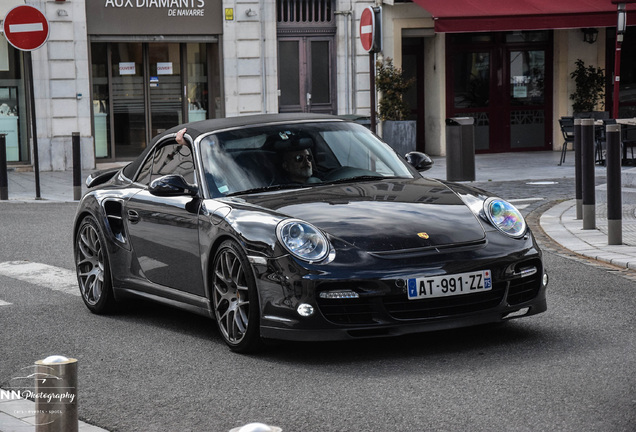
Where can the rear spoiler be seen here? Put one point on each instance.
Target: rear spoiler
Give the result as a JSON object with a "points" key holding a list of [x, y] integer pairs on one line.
{"points": [[99, 177]]}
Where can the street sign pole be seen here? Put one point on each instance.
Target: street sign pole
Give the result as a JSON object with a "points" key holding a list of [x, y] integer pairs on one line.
{"points": [[28, 64], [27, 29], [372, 91], [371, 39]]}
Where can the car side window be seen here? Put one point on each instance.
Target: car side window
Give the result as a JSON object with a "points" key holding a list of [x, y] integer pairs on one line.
{"points": [[169, 159]]}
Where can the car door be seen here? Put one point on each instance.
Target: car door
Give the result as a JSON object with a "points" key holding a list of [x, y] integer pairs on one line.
{"points": [[164, 231]]}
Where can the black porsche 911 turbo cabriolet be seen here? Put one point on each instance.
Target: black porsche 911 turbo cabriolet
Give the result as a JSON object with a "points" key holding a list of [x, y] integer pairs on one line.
{"points": [[302, 227]]}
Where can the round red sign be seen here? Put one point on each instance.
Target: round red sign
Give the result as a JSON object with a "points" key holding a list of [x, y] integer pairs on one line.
{"points": [[367, 28], [26, 28]]}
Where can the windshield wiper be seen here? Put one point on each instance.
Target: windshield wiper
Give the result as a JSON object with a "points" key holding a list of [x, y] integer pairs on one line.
{"points": [[267, 189], [363, 177]]}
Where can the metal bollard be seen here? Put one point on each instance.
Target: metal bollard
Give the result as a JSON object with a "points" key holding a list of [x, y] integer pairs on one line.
{"points": [[4, 180], [587, 174], [614, 199], [56, 395], [77, 167], [577, 169]]}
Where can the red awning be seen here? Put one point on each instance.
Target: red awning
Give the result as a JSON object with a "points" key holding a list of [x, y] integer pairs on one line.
{"points": [[455, 16]]}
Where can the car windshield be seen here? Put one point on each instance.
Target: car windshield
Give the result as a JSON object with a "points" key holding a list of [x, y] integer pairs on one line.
{"points": [[295, 155]]}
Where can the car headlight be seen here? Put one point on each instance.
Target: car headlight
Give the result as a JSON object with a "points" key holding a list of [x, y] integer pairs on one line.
{"points": [[303, 240], [505, 217]]}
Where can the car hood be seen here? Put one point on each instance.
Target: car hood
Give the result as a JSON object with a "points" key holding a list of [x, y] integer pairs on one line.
{"points": [[381, 216]]}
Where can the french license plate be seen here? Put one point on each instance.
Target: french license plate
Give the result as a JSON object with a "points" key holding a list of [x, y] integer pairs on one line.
{"points": [[449, 285]]}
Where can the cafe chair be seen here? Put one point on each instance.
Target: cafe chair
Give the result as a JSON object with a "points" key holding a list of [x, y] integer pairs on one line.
{"points": [[600, 147], [567, 129], [628, 141]]}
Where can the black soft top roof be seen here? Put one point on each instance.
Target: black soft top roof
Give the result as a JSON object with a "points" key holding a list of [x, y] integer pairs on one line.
{"points": [[205, 126]]}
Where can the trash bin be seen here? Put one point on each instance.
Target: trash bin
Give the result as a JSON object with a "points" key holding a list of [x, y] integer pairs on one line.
{"points": [[460, 149]]}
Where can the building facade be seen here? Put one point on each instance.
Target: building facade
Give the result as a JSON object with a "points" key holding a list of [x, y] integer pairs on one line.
{"points": [[121, 71]]}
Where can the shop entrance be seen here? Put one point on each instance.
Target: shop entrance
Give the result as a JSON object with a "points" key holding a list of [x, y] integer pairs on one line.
{"points": [[306, 56], [504, 81], [141, 89]]}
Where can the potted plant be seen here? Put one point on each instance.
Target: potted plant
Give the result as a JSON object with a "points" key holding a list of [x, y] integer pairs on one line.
{"points": [[393, 110], [590, 88]]}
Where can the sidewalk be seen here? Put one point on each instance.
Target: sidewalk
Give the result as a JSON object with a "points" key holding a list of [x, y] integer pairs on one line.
{"points": [[558, 222]]}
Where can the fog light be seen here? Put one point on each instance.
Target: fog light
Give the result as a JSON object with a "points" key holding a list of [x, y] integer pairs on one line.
{"points": [[545, 279], [339, 294], [305, 310]]}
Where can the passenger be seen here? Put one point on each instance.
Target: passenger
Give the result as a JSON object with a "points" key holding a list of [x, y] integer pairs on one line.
{"points": [[179, 138]]}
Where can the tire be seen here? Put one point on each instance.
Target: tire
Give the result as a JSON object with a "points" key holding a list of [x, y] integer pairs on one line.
{"points": [[235, 299], [93, 267]]}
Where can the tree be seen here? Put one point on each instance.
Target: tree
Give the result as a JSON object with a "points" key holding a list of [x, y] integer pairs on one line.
{"points": [[590, 87], [391, 82]]}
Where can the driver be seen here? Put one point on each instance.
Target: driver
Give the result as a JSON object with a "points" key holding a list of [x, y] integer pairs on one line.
{"points": [[298, 166]]}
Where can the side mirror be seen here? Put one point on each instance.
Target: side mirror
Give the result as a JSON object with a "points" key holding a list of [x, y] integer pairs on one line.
{"points": [[172, 185], [421, 161]]}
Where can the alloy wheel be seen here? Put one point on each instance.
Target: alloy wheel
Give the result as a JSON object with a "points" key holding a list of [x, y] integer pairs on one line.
{"points": [[90, 264], [231, 296]]}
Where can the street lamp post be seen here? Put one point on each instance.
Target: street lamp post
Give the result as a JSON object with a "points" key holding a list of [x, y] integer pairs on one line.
{"points": [[621, 26]]}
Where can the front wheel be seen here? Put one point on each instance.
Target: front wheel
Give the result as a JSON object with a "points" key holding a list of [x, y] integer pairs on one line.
{"points": [[235, 299], [93, 267]]}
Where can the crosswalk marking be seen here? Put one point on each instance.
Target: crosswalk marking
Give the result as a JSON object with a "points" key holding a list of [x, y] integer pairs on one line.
{"points": [[55, 278], [526, 199], [522, 200]]}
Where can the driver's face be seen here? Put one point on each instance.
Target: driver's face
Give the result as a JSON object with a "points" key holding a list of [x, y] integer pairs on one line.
{"points": [[298, 164]]}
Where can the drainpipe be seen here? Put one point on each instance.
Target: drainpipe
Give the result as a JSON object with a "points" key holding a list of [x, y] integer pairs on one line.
{"points": [[347, 14], [263, 58]]}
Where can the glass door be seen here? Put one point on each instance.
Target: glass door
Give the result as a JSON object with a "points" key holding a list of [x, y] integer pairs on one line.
{"points": [[471, 92], [164, 86], [198, 92], [527, 72], [504, 81], [128, 100], [141, 89]]}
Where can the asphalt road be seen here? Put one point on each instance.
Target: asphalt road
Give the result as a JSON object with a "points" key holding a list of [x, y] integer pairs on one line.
{"points": [[150, 368]]}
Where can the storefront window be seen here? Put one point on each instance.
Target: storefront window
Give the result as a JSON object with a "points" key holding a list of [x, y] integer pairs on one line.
{"points": [[197, 82], [164, 86], [472, 79], [527, 77], [129, 106], [12, 103], [138, 91], [101, 108]]}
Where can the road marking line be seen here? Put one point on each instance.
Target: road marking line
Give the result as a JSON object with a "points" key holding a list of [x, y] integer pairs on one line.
{"points": [[4, 303], [55, 278]]}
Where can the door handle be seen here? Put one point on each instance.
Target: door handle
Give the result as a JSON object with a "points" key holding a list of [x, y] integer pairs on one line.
{"points": [[133, 216]]}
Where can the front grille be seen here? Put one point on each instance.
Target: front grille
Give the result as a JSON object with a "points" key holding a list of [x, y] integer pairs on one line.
{"points": [[400, 308], [347, 311], [378, 302], [526, 288]]}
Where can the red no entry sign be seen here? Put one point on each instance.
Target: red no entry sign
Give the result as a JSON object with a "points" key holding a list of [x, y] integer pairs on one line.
{"points": [[26, 28], [370, 29], [367, 21]]}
